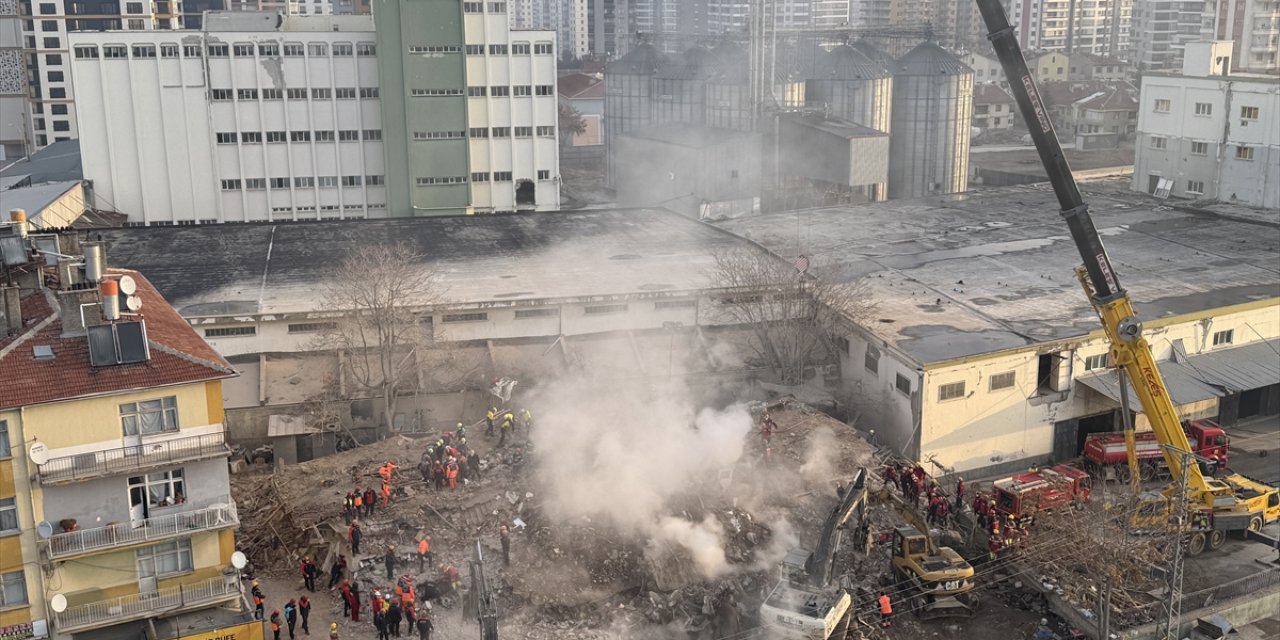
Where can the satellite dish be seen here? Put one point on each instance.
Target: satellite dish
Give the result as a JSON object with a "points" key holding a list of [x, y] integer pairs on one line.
{"points": [[44, 530], [58, 603], [133, 303], [39, 453], [128, 285], [239, 560]]}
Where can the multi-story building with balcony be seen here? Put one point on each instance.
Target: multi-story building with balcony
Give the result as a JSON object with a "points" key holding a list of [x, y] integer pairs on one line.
{"points": [[114, 489], [1254, 27]]}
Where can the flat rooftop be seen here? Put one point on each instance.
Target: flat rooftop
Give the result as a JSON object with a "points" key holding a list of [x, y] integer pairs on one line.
{"points": [[993, 269], [275, 268]]}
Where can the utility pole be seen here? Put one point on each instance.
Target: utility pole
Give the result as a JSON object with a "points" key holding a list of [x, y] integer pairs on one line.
{"points": [[1179, 533]]}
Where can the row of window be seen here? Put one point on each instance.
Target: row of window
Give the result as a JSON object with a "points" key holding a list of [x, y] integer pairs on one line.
{"points": [[1163, 105], [479, 176], [273, 137], [507, 132], [478, 7], [318, 93], [517, 49], [305, 182], [242, 50], [519, 91], [1202, 148]]}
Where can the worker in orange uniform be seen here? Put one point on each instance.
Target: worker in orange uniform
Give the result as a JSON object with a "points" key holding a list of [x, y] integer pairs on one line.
{"points": [[886, 610], [424, 553], [452, 473], [386, 493], [275, 624]]}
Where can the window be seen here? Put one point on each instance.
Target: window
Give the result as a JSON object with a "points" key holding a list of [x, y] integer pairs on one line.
{"points": [[251, 137], [275, 136], [466, 317], [476, 92], [544, 174], [502, 176], [58, 109], [321, 94], [480, 176], [246, 94], [165, 559], [8, 515], [605, 308], [545, 90], [133, 7], [547, 312], [250, 184], [669, 304], [475, 49], [1199, 148], [318, 49], [149, 416], [345, 93], [324, 136], [272, 94], [242, 50], [499, 92], [48, 25], [497, 7], [1158, 142], [435, 48], [1224, 337], [47, 8], [374, 181], [497, 49], [144, 51], [84, 52], [5, 450], [372, 134], [1002, 380], [343, 49], [168, 51], [280, 183], [871, 361], [522, 90], [56, 76], [349, 135], [217, 50], [524, 132], [114, 51], [191, 51], [61, 125], [438, 135], [1095, 362], [368, 92], [60, 93], [295, 94], [500, 132], [1204, 109], [293, 50], [473, 7], [424, 182], [220, 94], [230, 185], [434, 93], [352, 181], [226, 138], [231, 332], [543, 48], [327, 181], [478, 132], [1195, 186], [311, 327], [1244, 153], [13, 589], [951, 391], [268, 49], [305, 181], [52, 43], [902, 384], [546, 132], [161, 489], [1249, 113], [366, 49], [1162, 105]]}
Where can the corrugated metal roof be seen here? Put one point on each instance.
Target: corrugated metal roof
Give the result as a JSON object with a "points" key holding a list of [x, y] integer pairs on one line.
{"points": [[1184, 388], [874, 54], [1206, 375], [847, 63], [928, 59]]}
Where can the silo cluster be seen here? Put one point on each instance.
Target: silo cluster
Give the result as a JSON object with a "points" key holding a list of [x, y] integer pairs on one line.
{"points": [[626, 98], [932, 112]]}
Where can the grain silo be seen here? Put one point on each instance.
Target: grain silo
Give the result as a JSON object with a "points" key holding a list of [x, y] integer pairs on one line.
{"points": [[932, 110], [874, 54], [850, 85], [627, 104], [728, 88], [678, 89]]}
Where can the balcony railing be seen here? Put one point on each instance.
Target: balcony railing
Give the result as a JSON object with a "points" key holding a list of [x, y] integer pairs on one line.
{"points": [[104, 613], [214, 515], [96, 464]]}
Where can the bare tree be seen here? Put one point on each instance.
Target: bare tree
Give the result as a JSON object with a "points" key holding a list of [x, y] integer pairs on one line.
{"points": [[382, 289], [793, 315], [571, 123]]}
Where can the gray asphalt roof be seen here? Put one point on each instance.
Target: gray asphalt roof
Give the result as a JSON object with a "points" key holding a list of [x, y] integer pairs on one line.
{"points": [[57, 162], [960, 275], [245, 269]]}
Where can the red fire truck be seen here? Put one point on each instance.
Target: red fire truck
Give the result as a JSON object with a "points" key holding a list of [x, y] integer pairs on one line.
{"points": [[1103, 451], [1024, 494]]}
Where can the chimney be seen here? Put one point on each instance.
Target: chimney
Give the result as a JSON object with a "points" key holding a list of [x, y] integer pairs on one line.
{"points": [[11, 308], [73, 323]]}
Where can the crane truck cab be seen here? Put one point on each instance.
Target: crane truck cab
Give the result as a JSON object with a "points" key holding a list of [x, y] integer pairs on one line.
{"points": [[1253, 505], [940, 577]]}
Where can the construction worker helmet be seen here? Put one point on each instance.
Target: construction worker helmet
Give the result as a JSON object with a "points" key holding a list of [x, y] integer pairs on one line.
{"points": [[333, 626], [255, 583]]}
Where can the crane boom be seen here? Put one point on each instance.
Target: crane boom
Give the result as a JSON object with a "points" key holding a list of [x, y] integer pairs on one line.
{"points": [[1129, 349]]}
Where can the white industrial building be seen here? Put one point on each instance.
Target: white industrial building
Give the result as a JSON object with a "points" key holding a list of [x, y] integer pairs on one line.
{"points": [[1203, 134]]}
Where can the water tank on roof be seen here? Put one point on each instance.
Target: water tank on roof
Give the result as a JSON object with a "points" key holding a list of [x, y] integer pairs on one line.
{"points": [[854, 87], [931, 118]]}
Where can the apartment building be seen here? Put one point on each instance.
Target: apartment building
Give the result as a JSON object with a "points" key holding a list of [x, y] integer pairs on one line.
{"points": [[1204, 133], [474, 108], [14, 131], [1099, 27], [570, 19], [1254, 27], [114, 492], [1161, 30]]}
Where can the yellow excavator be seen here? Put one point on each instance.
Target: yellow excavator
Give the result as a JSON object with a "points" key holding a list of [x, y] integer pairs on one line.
{"points": [[940, 580], [1214, 506]]}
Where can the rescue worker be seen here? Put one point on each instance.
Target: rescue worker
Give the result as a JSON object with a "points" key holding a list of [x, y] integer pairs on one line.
{"points": [[506, 428], [410, 615], [424, 553], [488, 419], [304, 610], [386, 493], [358, 504], [526, 421], [890, 475], [390, 561], [275, 624], [291, 616], [333, 631], [505, 535], [337, 570], [451, 472], [959, 494], [438, 472], [348, 507], [451, 576], [886, 610], [370, 500], [460, 432], [354, 535], [394, 616], [309, 572], [355, 601], [424, 626], [473, 463], [345, 591], [380, 623], [259, 601]]}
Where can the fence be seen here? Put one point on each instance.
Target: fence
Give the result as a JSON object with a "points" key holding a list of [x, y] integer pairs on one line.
{"points": [[215, 514], [143, 605], [1197, 600], [106, 462]]}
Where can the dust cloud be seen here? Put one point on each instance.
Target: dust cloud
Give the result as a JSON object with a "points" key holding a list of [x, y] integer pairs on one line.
{"points": [[627, 454], [819, 461]]}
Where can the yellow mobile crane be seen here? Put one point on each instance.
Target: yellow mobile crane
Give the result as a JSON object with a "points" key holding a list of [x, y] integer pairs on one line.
{"points": [[1214, 506]]}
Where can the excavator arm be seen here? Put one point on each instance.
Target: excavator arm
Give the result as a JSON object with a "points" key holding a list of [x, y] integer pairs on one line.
{"points": [[821, 562], [1129, 349]]}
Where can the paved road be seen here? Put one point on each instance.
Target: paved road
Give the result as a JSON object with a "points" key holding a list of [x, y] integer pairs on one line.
{"points": [[1255, 449]]}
